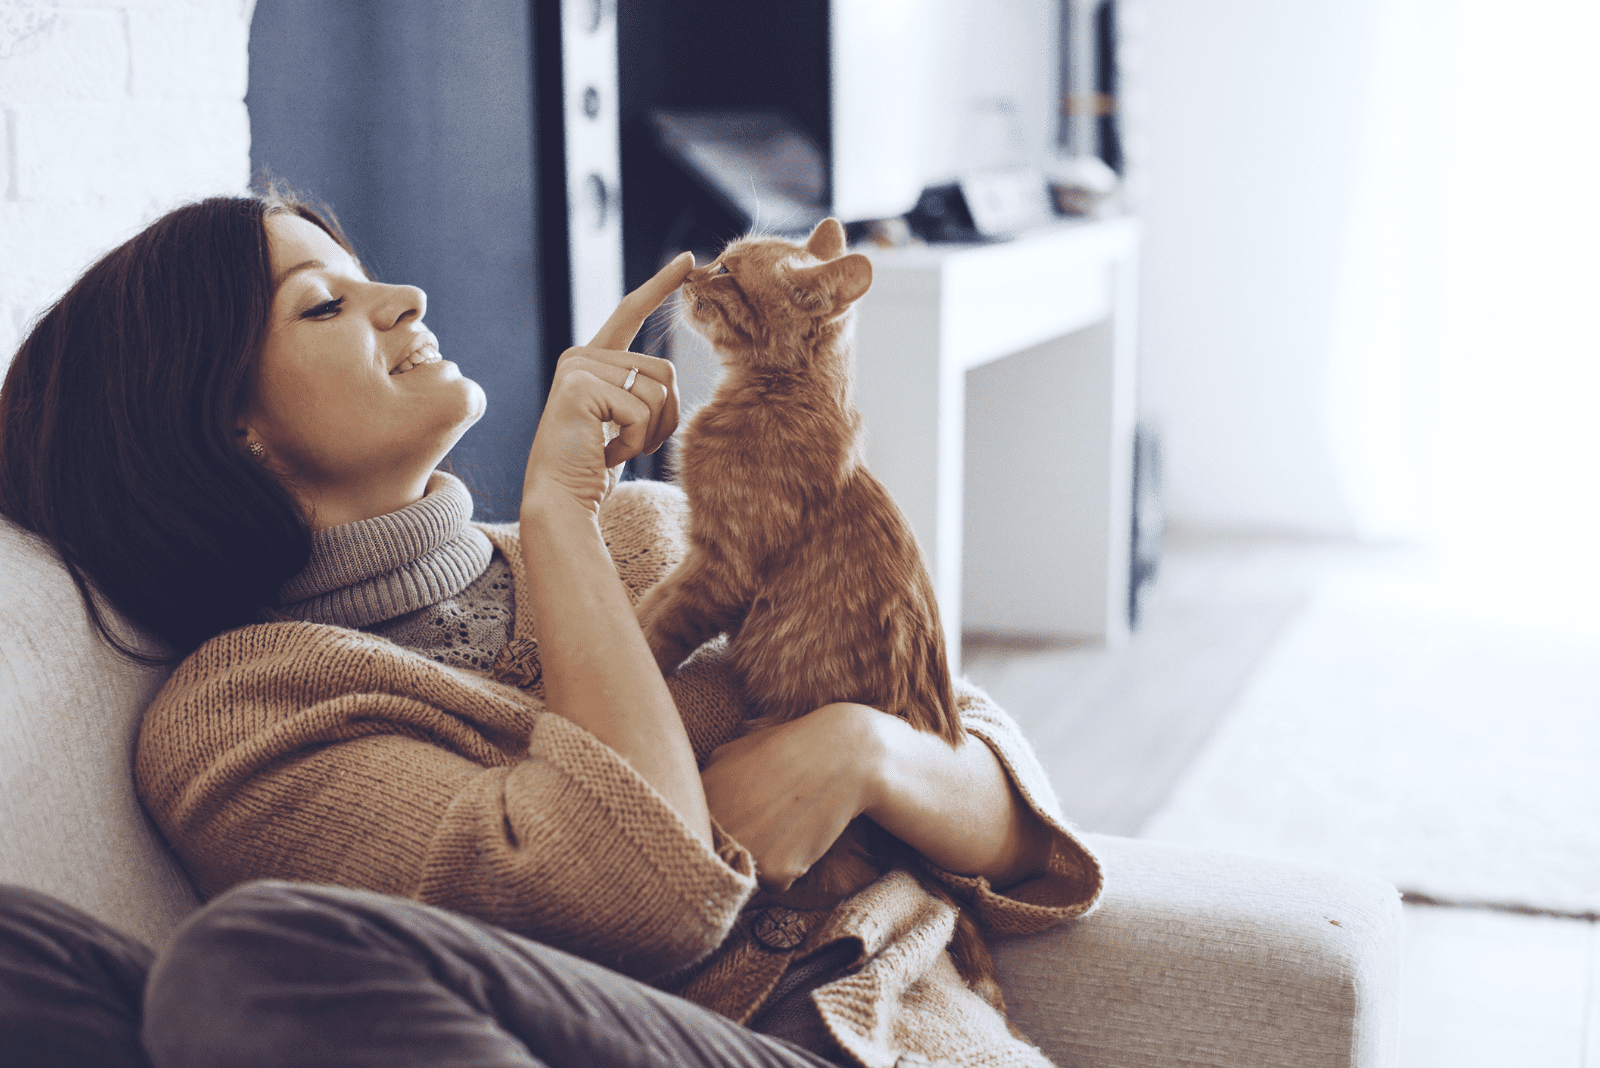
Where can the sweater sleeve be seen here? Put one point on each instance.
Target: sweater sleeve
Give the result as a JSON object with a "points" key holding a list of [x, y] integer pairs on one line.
{"points": [[574, 848], [1072, 880], [312, 753]]}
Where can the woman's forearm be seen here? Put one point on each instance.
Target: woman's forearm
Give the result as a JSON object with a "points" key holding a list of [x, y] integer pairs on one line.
{"points": [[956, 806], [598, 671]]}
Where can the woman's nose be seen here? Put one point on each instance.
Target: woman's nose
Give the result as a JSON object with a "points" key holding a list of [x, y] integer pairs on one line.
{"points": [[400, 304]]}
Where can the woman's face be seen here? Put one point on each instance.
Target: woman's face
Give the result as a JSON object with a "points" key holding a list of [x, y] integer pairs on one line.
{"points": [[351, 400]]}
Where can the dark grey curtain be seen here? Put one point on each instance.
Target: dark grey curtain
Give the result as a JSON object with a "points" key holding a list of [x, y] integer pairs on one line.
{"points": [[413, 119]]}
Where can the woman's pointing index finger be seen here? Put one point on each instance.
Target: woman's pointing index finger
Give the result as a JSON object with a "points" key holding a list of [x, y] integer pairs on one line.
{"points": [[624, 324]]}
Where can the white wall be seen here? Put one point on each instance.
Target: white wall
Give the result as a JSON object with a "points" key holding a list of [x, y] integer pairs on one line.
{"points": [[1248, 129], [997, 95], [111, 112], [1468, 367], [969, 85]]}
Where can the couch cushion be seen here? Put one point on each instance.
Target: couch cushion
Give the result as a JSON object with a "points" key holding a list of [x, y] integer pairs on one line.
{"points": [[70, 824], [1214, 960]]}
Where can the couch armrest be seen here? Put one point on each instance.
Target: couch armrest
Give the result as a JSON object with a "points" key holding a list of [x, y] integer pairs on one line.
{"points": [[1196, 958]]}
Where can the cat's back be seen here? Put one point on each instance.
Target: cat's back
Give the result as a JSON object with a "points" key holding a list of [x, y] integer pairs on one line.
{"points": [[775, 449], [849, 614]]}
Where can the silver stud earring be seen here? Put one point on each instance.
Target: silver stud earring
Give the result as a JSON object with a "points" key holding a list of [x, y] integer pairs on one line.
{"points": [[258, 451]]}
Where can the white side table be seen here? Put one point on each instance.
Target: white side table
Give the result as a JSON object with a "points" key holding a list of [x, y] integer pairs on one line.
{"points": [[997, 386]]}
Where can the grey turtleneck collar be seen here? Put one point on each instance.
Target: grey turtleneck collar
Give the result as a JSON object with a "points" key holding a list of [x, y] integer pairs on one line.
{"points": [[375, 569]]}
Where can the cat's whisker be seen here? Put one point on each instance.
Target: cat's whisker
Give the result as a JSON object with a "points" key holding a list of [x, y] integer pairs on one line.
{"points": [[755, 195], [656, 332], [782, 225]]}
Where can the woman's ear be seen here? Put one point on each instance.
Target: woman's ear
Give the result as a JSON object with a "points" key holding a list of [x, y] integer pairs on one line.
{"points": [[827, 240], [250, 443]]}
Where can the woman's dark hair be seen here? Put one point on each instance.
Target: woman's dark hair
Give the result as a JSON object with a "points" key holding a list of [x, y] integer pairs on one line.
{"points": [[119, 441]]}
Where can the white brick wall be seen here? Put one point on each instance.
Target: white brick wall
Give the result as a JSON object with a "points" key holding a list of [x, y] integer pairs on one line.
{"points": [[111, 112]]}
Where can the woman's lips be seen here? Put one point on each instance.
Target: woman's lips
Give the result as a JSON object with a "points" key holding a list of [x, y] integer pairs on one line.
{"points": [[426, 354]]}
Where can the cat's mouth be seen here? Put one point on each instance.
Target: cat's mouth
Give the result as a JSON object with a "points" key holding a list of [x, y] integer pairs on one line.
{"points": [[708, 320], [697, 308]]}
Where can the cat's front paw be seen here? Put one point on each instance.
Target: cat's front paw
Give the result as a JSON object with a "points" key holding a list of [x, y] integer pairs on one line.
{"points": [[658, 651], [667, 652], [669, 661]]}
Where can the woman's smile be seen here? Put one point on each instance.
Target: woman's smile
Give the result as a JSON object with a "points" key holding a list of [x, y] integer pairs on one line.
{"points": [[426, 351]]}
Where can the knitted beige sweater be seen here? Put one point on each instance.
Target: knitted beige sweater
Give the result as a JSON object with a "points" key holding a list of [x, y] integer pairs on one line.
{"points": [[303, 751]]}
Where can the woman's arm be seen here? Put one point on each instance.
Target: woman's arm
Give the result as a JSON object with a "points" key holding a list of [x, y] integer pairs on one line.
{"points": [[787, 792], [598, 671], [955, 806]]}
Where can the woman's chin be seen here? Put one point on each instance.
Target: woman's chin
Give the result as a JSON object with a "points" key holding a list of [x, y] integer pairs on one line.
{"points": [[474, 402], [477, 401], [466, 401], [436, 427]]}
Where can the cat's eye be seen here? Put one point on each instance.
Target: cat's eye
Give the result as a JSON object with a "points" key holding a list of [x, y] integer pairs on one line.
{"points": [[720, 268]]}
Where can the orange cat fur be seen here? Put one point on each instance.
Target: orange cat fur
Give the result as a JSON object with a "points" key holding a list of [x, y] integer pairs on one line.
{"points": [[797, 552]]}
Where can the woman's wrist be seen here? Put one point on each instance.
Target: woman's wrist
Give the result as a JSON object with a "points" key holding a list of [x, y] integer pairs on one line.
{"points": [[553, 507], [870, 737]]}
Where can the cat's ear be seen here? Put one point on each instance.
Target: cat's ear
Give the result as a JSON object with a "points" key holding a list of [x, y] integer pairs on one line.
{"points": [[827, 240], [841, 281]]}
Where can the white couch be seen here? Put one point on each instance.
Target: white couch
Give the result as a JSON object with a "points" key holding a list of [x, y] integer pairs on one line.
{"points": [[1192, 959]]}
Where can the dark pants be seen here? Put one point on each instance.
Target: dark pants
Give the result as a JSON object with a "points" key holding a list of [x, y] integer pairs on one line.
{"points": [[287, 974]]}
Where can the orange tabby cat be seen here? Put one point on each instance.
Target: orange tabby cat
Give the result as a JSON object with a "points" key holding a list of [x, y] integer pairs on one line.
{"points": [[797, 552]]}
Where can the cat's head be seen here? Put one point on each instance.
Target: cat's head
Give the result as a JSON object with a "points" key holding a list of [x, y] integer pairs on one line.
{"points": [[764, 292]]}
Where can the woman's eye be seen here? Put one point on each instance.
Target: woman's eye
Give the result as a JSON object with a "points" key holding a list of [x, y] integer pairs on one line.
{"points": [[325, 310]]}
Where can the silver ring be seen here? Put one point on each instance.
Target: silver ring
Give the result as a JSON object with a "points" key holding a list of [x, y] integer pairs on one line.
{"points": [[633, 372]]}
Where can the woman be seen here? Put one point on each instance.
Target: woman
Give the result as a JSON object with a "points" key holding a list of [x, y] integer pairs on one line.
{"points": [[227, 421]]}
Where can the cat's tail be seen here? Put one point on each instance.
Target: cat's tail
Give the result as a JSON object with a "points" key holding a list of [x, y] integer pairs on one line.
{"points": [[924, 695], [932, 667], [950, 728]]}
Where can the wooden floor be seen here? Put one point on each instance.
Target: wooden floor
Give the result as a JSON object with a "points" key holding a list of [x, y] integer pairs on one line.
{"points": [[1116, 728], [1487, 989]]}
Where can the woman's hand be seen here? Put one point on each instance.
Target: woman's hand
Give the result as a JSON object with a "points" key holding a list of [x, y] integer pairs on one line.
{"points": [[787, 792], [571, 454]]}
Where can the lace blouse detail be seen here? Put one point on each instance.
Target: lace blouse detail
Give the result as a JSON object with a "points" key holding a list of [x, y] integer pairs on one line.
{"points": [[464, 631], [423, 576]]}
